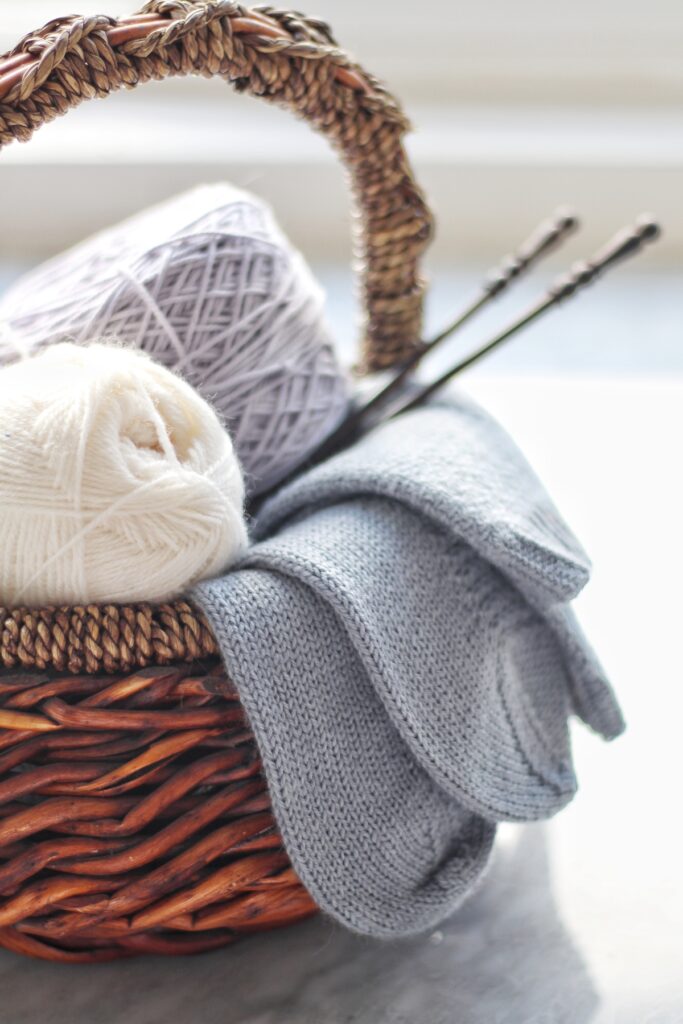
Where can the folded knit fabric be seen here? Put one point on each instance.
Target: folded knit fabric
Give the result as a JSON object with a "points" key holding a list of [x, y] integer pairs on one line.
{"points": [[401, 639]]}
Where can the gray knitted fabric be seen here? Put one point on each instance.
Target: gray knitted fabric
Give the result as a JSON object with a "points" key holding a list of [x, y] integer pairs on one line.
{"points": [[400, 636]]}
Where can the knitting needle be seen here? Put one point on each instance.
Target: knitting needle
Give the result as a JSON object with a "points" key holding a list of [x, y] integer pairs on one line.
{"points": [[626, 243], [545, 238]]}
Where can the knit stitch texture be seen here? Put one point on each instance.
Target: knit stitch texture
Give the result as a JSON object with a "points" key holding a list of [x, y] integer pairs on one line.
{"points": [[401, 638]]}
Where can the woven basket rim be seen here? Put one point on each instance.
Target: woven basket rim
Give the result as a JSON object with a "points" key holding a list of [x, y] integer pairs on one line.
{"points": [[104, 637]]}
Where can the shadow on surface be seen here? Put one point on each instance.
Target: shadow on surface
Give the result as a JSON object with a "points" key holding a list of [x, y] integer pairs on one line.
{"points": [[504, 958]]}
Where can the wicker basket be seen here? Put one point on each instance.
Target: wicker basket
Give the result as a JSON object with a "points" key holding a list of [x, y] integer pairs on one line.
{"points": [[133, 814]]}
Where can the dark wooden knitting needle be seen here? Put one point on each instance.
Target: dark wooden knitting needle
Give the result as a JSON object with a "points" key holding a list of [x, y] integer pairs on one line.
{"points": [[626, 243], [545, 238]]}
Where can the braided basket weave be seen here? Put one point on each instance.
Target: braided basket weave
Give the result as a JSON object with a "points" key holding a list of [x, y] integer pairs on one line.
{"points": [[133, 814]]}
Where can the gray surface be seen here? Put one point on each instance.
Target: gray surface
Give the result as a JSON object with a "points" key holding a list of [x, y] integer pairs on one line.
{"points": [[579, 920], [480, 965]]}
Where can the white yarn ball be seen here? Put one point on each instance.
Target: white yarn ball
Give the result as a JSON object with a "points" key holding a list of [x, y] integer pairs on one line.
{"points": [[117, 481], [208, 285]]}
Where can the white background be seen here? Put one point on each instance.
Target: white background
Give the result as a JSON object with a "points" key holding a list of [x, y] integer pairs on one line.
{"points": [[517, 105]]}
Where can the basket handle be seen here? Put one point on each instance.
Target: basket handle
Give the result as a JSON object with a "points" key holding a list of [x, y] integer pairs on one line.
{"points": [[284, 57]]}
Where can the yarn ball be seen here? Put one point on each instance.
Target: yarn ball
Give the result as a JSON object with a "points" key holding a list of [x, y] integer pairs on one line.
{"points": [[208, 285], [117, 481]]}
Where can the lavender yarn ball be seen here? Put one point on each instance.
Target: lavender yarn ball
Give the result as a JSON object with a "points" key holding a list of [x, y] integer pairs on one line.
{"points": [[208, 285]]}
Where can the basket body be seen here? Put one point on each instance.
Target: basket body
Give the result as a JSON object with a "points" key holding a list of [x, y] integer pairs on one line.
{"points": [[133, 814]]}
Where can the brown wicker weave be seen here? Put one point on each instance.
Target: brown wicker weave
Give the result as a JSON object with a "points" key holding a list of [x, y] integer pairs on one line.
{"points": [[133, 814]]}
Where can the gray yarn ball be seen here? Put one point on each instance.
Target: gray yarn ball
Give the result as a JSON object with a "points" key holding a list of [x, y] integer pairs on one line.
{"points": [[208, 285]]}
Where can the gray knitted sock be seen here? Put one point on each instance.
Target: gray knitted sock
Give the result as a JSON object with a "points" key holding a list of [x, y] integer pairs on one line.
{"points": [[401, 641]]}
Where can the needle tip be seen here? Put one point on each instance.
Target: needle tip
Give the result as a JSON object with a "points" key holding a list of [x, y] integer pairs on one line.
{"points": [[566, 219], [648, 227]]}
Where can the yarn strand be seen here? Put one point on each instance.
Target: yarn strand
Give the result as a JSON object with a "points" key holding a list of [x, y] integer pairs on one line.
{"points": [[119, 483]]}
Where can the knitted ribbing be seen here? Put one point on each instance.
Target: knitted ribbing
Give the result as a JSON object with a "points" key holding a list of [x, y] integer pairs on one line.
{"points": [[401, 640]]}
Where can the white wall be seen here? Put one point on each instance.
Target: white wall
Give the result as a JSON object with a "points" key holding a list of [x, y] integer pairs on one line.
{"points": [[519, 105], [588, 51]]}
